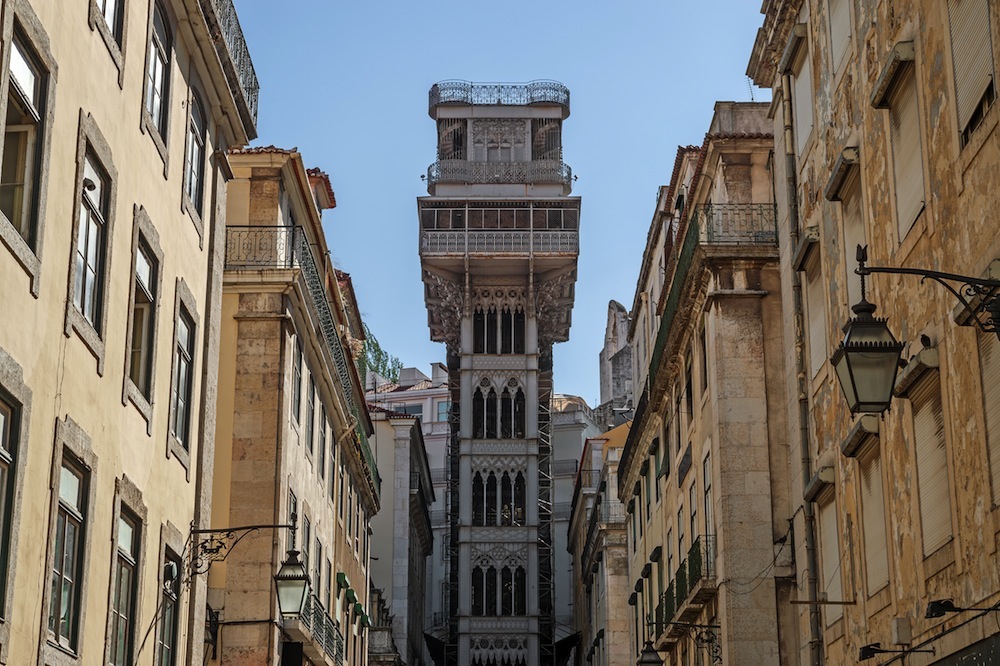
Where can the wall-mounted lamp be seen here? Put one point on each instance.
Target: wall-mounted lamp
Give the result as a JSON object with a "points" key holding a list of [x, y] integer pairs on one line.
{"points": [[872, 649], [940, 607]]}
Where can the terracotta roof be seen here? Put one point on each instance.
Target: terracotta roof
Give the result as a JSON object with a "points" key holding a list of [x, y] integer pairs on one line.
{"points": [[389, 412], [319, 173], [260, 150], [396, 388], [741, 135]]}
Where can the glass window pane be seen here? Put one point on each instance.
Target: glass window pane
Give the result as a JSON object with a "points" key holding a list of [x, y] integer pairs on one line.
{"points": [[93, 183], [144, 269], [126, 535], [69, 487], [24, 73]]}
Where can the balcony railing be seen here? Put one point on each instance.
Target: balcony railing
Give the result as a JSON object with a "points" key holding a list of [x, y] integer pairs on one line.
{"points": [[693, 582], [737, 223], [324, 631], [507, 94], [463, 171], [231, 46], [609, 512], [701, 560], [474, 241], [274, 247]]}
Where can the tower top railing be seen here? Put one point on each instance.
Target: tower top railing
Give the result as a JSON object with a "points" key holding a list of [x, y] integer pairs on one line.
{"points": [[499, 94]]}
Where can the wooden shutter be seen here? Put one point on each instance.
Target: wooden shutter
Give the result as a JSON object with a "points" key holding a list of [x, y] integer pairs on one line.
{"points": [[873, 521], [830, 544], [906, 154], [840, 31], [971, 54], [802, 102], [816, 311], [932, 465], [989, 367]]}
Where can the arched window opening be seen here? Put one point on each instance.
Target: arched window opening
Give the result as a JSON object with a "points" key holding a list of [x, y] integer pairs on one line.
{"points": [[520, 592], [506, 331], [507, 592], [519, 332], [477, 591], [491, 332], [506, 414], [506, 499], [519, 414], [491, 591], [478, 415], [479, 332], [491, 414], [519, 499], [491, 499], [478, 499]]}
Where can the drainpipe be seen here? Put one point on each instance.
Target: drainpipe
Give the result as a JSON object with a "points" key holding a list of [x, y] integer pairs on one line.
{"points": [[791, 186]]}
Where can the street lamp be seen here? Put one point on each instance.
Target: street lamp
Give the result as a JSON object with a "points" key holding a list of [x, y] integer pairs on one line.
{"points": [[939, 607], [867, 359], [649, 656], [872, 649], [292, 583]]}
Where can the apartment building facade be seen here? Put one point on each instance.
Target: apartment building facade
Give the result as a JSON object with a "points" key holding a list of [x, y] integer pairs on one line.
{"points": [[292, 445], [885, 127], [111, 235], [702, 469]]}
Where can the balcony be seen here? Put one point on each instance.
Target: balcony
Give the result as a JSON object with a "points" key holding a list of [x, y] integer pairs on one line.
{"points": [[465, 172], [604, 515], [471, 241], [501, 94], [255, 248], [224, 26], [320, 637], [694, 584]]}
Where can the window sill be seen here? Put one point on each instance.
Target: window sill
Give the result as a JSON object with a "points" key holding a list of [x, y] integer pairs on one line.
{"points": [[97, 22], [149, 127], [177, 450], [188, 207], [22, 252], [142, 405], [878, 600], [940, 559], [75, 321], [54, 654], [977, 140]]}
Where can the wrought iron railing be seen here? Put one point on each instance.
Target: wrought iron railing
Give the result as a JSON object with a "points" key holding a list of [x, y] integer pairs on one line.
{"points": [[681, 266], [324, 631], [463, 171], [516, 94], [737, 223], [263, 247], [586, 479], [608, 512], [701, 559], [490, 241], [231, 46], [668, 606]]}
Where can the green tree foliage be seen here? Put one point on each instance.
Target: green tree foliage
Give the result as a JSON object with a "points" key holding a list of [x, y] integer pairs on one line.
{"points": [[378, 360]]}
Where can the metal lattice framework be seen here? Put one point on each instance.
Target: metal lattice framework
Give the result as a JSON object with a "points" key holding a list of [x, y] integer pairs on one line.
{"points": [[464, 171], [231, 46], [546, 584], [507, 94]]}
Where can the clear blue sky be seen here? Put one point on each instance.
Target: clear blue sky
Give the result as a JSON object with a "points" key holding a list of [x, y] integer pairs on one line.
{"points": [[347, 82]]}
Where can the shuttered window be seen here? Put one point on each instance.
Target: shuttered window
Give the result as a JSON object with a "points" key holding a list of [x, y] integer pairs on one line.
{"points": [[906, 153], [802, 99], [854, 235], [816, 311], [840, 31], [932, 464], [971, 55], [873, 521], [989, 364], [830, 544]]}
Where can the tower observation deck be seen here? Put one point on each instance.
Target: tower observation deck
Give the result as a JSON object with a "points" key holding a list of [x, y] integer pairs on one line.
{"points": [[499, 240]]}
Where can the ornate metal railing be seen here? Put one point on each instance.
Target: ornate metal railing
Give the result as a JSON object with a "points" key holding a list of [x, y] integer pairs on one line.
{"points": [[463, 171], [323, 629], [489, 241], [586, 479], [516, 94], [262, 247], [608, 512], [737, 223], [681, 583], [701, 559], [667, 608], [231, 46]]}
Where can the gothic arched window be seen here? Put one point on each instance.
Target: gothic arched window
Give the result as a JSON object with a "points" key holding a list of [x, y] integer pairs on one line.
{"points": [[479, 332], [491, 414], [491, 332], [478, 415], [519, 332], [491, 591], [519, 499], [520, 592], [506, 414], [506, 499], [519, 409], [478, 499], [506, 331], [477, 591], [491, 499], [507, 592]]}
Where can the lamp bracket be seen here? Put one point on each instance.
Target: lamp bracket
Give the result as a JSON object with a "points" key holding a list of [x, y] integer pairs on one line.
{"points": [[980, 297], [215, 545], [704, 637]]}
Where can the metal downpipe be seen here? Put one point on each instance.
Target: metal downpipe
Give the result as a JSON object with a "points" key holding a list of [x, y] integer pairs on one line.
{"points": [[791, 185]]}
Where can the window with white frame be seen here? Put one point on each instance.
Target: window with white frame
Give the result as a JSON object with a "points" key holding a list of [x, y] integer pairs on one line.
{"points": [[194, 156], [907, 162], [830, 569], [931, 453], [123, 595], [873, 520], [166, 640], [297, 381], [67, 556], [113, 13], [91, 242], [143, 309], [972, 63], [158, 70], [183, 379], [840, 31]]}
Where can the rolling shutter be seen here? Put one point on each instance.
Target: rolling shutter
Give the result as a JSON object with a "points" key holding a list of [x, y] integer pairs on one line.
{"points": [[831, 559], [989, 360], [803, 100], [840, 31], [873, 521], [932, 465], [816, 311], [906, 154], [971, 54]]}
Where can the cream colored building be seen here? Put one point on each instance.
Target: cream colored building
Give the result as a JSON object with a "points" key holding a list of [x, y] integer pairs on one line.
{"points": [[885, 121], [112, 222], [292, 445], [598, 548], [703, 468]]}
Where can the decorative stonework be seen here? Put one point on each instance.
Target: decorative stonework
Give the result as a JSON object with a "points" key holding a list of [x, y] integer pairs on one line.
{"points": [[490, 534], [498, 131], [498, 649], [499, 298], [501, 379], [501, 448], [504, 554], [552, 308], [498, 465], [445, 300]]}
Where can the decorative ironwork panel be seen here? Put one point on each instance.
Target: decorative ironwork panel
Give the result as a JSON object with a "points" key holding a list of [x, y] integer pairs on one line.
{"points": [[232, 47], [507, 94], [260, 247], [464, 171], [488, 242], [737, 223]]}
